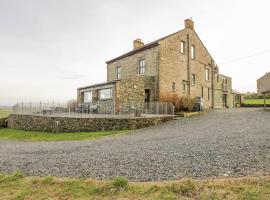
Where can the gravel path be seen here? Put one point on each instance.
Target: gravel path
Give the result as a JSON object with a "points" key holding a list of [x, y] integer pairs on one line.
{"points": [[220, 143]]}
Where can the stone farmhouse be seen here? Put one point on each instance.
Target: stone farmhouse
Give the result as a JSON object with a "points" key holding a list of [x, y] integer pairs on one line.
{"points": [[263, 84], [175, 64]]}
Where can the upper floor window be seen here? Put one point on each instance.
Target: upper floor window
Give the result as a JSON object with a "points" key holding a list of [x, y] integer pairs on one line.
{"points": [[193, 79], [141, 66], [217, 78], [207, 74], [225, 81], [192, 53], [182, 47], [105, 94], [118, 72], [173, 86], [87, 97]]}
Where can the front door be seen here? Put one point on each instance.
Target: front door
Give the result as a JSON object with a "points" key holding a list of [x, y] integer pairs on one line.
{"points": [[147, 96], [224, 99]]}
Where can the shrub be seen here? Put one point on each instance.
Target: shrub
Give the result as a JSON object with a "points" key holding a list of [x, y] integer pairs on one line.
{"points": [[188, 104], [180, 103], [120, 183]]}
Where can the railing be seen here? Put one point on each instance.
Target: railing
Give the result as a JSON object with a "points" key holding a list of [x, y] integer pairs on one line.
{"points": [[94, 109]]}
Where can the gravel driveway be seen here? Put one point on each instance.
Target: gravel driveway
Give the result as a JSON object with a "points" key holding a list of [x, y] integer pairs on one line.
{"points": [[220, 143]]}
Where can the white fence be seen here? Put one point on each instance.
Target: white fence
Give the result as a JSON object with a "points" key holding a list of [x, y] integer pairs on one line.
{"points": [[109, 108]]}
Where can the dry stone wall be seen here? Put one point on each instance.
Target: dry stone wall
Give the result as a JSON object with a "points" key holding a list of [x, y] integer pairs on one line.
{"points": [[67, 124]]}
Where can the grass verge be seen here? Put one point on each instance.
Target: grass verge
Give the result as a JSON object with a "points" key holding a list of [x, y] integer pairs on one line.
{"points": [[256, 101], [5, 112], [16, 186], [13, 134]]}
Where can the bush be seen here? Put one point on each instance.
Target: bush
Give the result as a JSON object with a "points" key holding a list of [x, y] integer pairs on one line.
{"points": [[3, 122], [180, 103], [120, 183]]}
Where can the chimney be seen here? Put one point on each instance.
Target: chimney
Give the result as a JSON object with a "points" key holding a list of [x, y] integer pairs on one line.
{"points": [[189, 24], [137, 44]]}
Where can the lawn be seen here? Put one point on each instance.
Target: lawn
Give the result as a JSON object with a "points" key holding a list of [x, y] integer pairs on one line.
{"points": [[13, 134], [16, 186], [256, 101], [4, 112]]}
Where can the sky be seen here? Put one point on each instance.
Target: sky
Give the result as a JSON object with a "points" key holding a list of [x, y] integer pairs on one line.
{"points": [[50, 48]]}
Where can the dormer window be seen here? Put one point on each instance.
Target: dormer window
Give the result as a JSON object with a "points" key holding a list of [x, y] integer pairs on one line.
{"points": [[141, 66]]}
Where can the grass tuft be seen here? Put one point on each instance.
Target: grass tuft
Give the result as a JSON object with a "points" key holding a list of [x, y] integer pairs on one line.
{"points": [[120, 183], [16, 186]]}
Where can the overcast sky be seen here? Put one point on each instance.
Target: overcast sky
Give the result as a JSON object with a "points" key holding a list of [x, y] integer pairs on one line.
{"points": [[48, 48]]}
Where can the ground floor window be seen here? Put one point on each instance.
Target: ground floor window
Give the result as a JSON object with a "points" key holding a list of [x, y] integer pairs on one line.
{"points": [[184, 87], [87, 97], [208, 93], [105, 94], [202, 92], [173, 86]]}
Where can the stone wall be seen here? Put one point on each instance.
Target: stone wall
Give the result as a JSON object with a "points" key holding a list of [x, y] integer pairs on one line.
{"points": [[66, 124], [3, 122], [263, 84], [219, 91], [133, 90], [174, 65], [129, 65]]}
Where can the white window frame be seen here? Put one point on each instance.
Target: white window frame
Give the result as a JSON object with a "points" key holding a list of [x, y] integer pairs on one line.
{"points": [[193, 52], [105, 98], [182, 47], [141, 70], [193, 79], [89, 97], [118, 72], [207, 74]]}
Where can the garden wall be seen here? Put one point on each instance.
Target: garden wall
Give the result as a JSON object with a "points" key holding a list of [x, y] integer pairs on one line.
{"points": [[67, 124]]}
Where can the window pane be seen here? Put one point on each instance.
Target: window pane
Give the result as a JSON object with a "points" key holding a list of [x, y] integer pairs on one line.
{"points": [[193, 79], [173, 86], [192, 52], [182, 47], [141, 66], [105, 93], [118, 72], [87, 97], [207, 74]]}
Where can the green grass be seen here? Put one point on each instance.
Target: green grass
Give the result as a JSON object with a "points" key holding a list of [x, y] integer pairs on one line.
{"points": [[16, 186], [5, 112], [13, 134], [256, 101]]}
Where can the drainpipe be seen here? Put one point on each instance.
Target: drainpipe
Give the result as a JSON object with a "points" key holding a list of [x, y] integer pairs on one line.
{"points": [[212, 84], [188, 64]]}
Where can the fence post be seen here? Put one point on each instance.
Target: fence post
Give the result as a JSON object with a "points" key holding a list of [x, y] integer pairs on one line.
{"points": [[69, 110]]}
